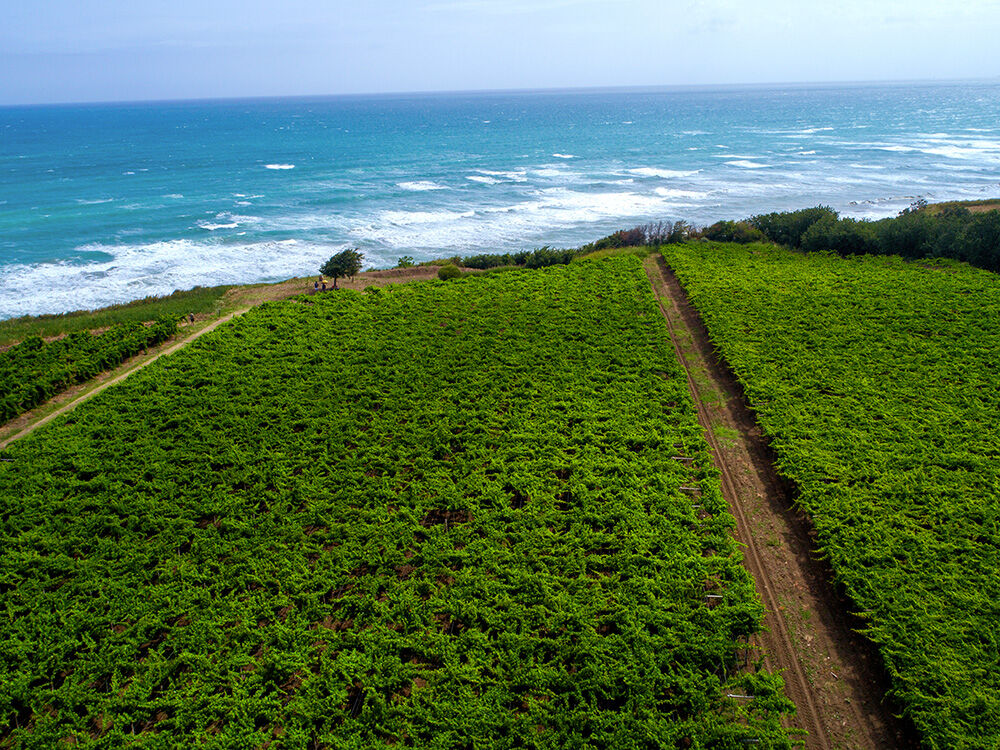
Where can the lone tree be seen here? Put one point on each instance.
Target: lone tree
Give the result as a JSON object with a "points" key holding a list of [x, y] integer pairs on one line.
{"points": [[346, 263]]}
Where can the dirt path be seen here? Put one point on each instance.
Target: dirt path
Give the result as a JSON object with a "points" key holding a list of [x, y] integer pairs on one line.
{"points": [[120, 374], [833, 675]]}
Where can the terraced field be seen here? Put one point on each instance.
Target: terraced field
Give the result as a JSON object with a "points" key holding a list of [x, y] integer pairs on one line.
{"points": [[876, 381], [478, 513]]}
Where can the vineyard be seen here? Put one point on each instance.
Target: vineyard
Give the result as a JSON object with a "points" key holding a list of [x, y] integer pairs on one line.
{"points": [[476, 513], [876, 381], [33, 371]]}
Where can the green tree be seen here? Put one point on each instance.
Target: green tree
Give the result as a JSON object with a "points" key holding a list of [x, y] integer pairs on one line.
{"points": [[345, 263]]}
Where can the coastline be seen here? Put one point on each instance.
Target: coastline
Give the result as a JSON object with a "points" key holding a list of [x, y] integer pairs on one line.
{"points": [[84, 224]]}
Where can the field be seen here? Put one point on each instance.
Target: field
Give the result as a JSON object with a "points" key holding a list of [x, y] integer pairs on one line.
{"points": [[876, 381], [35, 370], [198, 301], [454, 514]]}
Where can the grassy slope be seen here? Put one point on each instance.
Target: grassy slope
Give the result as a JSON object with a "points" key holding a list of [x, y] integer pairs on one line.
{"points": [[975, 206], [876, 380]]}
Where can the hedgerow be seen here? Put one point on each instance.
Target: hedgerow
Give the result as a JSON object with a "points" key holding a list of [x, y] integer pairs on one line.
{"points": [[33, 371], [876, 381], [476, 513], [921, 231]]}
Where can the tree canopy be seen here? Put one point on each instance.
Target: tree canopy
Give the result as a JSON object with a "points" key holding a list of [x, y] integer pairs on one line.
{"points": [[344, 263]]}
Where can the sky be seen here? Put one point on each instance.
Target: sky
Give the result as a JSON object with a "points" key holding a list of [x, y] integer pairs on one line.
{"points": [[120, 50]]}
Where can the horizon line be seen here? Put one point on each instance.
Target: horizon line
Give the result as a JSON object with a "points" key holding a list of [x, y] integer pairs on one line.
{"points": [[644, 88]]}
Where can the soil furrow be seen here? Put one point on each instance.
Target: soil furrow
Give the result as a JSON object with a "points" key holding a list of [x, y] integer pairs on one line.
{"points": [[833, 675]]}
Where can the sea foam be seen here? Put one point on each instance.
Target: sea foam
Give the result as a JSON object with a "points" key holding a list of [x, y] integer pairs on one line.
{"points": [[158, 268], [419, 186], [664, 173], [747, 164]]}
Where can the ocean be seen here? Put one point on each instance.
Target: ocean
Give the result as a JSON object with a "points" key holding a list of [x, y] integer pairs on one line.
{"points": [[105, 203]]}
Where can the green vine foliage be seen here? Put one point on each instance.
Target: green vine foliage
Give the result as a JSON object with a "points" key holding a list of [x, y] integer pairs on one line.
{"points": [[876, 380], [443, 515], [33, 371]]}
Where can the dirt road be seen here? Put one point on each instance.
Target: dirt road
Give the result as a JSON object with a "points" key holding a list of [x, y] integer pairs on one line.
{"points": [[833, 675]]}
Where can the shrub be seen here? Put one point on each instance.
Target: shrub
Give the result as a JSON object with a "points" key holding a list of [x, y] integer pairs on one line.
{"points": [[548, 256], [787, 228], [733, 231], [486, 261], [841, 236], [450, 271]]}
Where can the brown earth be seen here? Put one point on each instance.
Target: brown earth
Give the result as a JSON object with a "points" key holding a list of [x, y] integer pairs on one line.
{"points": [[833, 675]]}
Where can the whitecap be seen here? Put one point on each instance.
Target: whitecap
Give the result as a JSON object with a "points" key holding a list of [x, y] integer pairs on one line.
{"points": [[175, 196], [227, 220], [519, 175], [420, 185], [484, 179], [664, 192], [279, 166], [94, 201], [564, 156], [664, 173], [405, 218], [747, 164]]}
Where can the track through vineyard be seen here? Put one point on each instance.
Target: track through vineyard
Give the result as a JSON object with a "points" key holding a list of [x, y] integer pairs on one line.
{"points": [[168, 348], [474, 513], [830, 672]]}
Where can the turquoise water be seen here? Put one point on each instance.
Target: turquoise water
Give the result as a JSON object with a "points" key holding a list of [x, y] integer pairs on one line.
{"points": [[107, 203]]}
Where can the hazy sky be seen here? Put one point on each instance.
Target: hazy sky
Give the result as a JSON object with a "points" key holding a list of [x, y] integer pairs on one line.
{"points": [[92, 50]]}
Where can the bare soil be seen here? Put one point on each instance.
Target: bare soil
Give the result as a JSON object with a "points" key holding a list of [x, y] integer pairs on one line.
{"points": [[834, 676]]}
